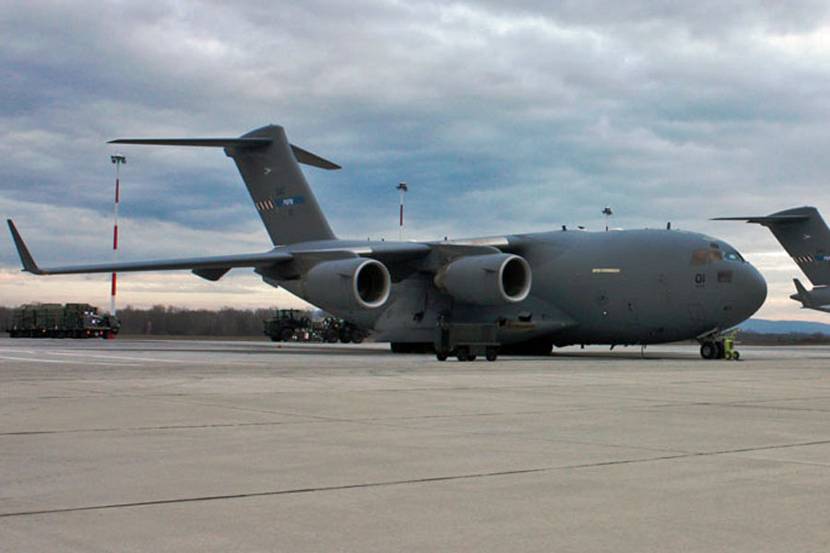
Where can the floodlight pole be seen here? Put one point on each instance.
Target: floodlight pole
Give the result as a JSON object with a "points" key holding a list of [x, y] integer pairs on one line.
{"points": [[607, 212], [117, 160], [402, 188]]}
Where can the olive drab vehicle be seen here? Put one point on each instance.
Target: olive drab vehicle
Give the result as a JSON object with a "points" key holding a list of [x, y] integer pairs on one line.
{"points": [[53, 320], [540, 289], [293, 325], [286, 325]]}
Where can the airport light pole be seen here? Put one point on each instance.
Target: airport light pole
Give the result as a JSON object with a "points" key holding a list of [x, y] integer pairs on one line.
{"points": [[117, 160], [402, 188], [608, 213]]}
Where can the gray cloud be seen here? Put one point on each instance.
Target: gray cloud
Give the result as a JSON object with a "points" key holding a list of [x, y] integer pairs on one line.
{"points": [[501, 118]]}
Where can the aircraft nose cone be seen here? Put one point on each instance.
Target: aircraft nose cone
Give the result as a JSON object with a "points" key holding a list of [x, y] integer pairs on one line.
{"points": [[754, 290]]}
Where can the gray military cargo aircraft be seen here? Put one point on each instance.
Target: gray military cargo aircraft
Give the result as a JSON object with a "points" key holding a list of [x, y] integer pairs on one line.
{"points": [[805, 236], [565, 287]]}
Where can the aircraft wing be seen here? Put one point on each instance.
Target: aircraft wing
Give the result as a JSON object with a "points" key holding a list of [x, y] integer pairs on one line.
{"points": [[211, 268], [398, 256]]}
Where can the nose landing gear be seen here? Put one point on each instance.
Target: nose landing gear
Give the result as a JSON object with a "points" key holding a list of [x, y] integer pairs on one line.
{"points": [[719, 347]]}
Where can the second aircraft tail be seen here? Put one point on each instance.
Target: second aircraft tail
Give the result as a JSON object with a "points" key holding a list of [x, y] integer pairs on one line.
{"points": [[805, 236]]}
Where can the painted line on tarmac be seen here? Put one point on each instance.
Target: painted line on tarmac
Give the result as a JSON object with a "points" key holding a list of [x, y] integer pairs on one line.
{"points": [[150, 359], [62, 362], [154, 359], [389, 483], [163, 427]]}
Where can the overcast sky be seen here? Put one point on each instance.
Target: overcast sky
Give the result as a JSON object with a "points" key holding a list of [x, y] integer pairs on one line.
{"points": [[501, 119]]}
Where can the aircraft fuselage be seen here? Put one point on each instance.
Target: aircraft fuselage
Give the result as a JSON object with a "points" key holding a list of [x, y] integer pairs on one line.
{"points": [[616, 287]]}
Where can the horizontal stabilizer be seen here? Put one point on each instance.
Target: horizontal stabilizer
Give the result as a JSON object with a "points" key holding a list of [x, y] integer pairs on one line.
{"points": [[306, 157], [768, 219], [301, 155], [201, 142]]}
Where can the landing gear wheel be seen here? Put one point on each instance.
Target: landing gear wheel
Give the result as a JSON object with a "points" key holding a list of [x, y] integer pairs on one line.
{"points": [[471, 357], [286, 334], [442, 356], [708, 350], [491, 354], [463, 354], [736, 355]]}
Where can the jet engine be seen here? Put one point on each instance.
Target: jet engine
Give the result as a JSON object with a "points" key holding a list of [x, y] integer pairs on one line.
{"points": [[354, 283], [490, 279]]}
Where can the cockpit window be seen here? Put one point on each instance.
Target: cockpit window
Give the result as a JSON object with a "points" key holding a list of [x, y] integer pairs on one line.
{"points": [[734, 256], [706, 256]]}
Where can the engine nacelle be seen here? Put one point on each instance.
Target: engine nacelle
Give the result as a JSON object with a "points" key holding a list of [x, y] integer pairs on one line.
{"points": [[489, 279], [354, 283]]}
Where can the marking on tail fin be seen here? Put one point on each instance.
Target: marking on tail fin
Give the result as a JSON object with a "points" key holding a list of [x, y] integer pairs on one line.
{"points": [[288, 202]]}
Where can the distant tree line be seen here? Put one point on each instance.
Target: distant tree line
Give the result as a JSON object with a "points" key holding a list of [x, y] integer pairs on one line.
{"points": [[178, 321], [788, 339], [161, 320]]}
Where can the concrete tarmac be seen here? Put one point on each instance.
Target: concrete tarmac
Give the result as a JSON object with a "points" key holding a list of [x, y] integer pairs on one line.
{"points": [[134, 445]]}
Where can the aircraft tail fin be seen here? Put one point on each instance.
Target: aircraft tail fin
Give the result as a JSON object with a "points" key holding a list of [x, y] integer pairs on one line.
{"points": [[804, 235], [801, 295], [269, 166]]}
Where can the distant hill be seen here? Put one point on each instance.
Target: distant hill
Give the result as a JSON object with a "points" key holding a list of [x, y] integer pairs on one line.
{"points": [[763, 326]]}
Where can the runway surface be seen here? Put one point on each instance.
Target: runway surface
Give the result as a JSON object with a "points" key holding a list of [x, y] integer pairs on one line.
{"points": [[134, 445]]}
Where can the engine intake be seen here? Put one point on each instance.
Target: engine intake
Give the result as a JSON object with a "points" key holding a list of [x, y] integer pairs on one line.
{"points": [[348, 284], [490, 279]]}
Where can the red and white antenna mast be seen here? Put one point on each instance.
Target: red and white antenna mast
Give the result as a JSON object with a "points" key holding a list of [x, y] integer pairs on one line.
{"points": [[403, 188], [117, 160]]}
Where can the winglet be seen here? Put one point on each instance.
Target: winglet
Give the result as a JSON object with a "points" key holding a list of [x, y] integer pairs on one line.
{"points": [[26, 258]]}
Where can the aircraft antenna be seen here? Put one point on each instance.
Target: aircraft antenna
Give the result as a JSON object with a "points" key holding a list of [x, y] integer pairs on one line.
{"points": [[608, 213], [403, 189], [117, 160]]}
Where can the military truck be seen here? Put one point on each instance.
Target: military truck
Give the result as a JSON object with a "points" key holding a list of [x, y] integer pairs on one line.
{"points": [[293, 325], [54, 320], [287, 325]]}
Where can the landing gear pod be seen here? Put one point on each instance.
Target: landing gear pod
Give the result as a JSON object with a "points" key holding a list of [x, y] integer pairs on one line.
{"points": [[355, 283], [491, 279]]}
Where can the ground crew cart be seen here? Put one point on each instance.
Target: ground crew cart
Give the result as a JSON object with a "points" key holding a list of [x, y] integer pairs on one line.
{"points": [[466, 341]]}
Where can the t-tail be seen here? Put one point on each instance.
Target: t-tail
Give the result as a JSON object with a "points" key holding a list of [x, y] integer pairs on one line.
{"points": [[805, 236], [269, 166]]}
